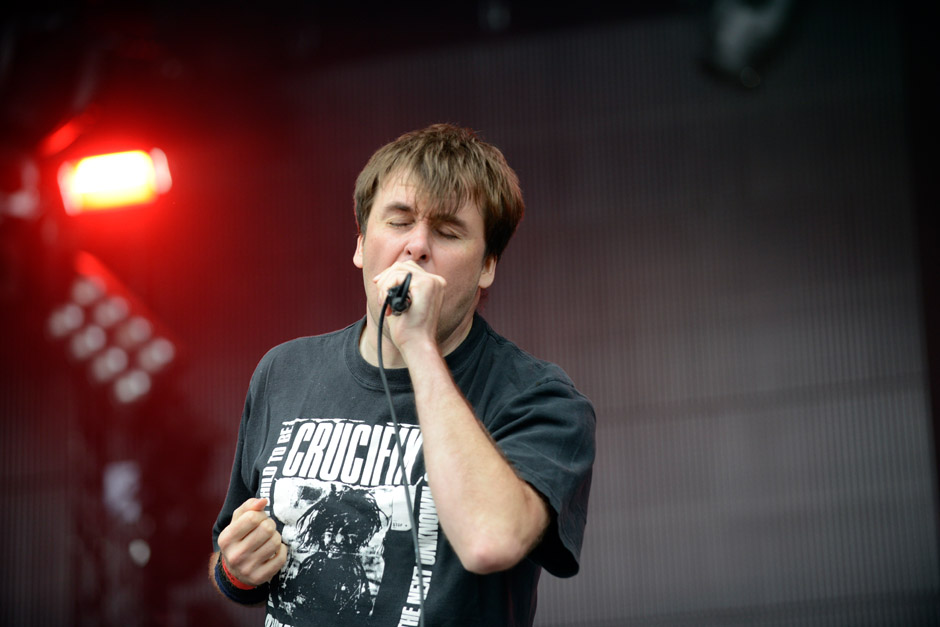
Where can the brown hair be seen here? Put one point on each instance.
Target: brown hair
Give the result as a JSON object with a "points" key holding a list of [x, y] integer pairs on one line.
{"points": [[451, 165]]}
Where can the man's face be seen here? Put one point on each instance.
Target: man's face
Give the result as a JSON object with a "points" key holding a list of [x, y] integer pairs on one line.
{"points": [[404, 226]]}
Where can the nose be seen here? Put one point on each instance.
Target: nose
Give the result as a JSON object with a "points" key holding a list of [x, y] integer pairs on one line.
{"points": [[417, 246]]}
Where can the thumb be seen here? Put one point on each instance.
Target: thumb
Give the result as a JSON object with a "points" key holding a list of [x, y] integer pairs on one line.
{"points": [[251, 504]]}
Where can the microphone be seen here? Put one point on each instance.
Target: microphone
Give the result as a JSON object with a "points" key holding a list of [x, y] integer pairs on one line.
{"points": [[399, 299]]}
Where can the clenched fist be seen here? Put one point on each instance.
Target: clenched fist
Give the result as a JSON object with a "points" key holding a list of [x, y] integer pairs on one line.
{"points": [[251, 545]]}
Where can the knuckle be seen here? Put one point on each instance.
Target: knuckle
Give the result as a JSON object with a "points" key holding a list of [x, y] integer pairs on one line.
{"points": [[253, 519], [234, 556]]}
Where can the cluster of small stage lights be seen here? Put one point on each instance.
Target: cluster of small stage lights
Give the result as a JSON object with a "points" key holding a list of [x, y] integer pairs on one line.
{"points": [[121, 347]]}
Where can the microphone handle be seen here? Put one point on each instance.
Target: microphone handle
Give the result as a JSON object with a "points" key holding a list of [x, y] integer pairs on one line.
{"points": [[399, 298]]}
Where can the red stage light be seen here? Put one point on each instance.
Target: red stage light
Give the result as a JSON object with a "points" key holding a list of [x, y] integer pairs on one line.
{"points": [[113, 181]]}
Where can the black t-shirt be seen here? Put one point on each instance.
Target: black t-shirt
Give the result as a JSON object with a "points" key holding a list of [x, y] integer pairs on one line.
{"points": [[316, 439]]}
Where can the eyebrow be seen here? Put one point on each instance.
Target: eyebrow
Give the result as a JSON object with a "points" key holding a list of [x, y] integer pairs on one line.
{"points": [[399, 206]]}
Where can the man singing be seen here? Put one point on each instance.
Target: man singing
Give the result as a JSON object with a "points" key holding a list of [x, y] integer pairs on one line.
{"points": [[491, 482]]}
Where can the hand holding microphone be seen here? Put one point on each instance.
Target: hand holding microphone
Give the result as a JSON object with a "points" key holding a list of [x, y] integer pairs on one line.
{"points": [[406, 288]]}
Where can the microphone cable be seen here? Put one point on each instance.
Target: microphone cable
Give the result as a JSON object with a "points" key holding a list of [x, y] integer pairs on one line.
{"points": [[398, 300]]}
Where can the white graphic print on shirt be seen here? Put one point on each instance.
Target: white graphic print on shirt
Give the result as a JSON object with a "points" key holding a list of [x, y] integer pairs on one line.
{"points": [[336, 488]]}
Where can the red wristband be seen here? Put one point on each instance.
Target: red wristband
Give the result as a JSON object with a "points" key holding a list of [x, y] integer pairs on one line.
{"points": [[232, 578]]}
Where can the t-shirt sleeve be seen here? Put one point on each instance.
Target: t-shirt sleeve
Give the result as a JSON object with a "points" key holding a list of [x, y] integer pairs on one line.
{"points": [[547, 434], [242, 484]]}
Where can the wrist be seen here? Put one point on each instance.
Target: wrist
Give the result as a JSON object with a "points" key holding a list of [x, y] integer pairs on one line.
{"points": [[235, 581], [250, 596], [420, 351]]}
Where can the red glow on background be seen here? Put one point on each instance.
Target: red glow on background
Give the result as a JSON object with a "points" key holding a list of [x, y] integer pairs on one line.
{"points": [[60, 139], [113, 181], [66, 134]]}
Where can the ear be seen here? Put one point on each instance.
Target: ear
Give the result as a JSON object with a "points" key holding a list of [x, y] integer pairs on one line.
{"points": [[357, 256], [488, 275]]}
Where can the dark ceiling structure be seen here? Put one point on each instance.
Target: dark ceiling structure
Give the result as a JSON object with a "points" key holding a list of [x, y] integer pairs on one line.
{"points": [[56, 58]]}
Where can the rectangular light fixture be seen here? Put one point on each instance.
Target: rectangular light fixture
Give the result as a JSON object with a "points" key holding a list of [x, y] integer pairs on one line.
{"points": [[113, 181]]}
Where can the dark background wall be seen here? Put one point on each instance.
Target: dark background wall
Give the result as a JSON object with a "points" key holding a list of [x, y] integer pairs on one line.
{"points": [[740, 279]]}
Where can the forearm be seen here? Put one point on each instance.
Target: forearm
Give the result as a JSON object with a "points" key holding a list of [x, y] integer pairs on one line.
{"points": [[491, 517]]}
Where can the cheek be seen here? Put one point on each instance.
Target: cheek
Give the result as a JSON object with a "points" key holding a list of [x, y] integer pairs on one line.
{"points": [[381, 251], [464, 275]]}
